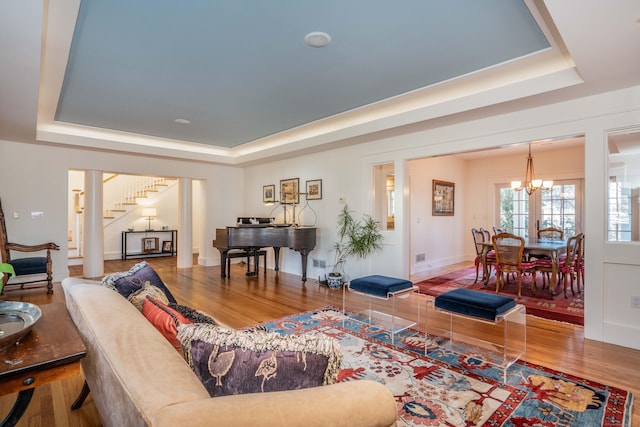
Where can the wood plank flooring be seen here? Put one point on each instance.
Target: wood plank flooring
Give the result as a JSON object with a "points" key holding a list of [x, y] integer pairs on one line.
{"points": [[239, 301]]}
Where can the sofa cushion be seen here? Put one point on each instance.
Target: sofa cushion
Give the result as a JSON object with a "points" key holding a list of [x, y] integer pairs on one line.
{"points": [[230, 362], [31, 265], [138, 297], [165, 320], [127, 282]]}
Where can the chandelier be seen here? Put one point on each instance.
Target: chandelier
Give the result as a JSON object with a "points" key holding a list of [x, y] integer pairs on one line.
{"points": [[530, 184]]}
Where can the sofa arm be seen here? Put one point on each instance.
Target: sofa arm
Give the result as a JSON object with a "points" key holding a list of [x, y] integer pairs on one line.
{"points": [[68, 281], [352, 404]]}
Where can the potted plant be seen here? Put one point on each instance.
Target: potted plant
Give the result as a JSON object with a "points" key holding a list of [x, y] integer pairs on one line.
{"points": [[5, 268], [359, 238]]}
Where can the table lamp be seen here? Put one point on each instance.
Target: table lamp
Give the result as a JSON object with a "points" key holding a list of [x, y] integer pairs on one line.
{"points": [[149, 213]]}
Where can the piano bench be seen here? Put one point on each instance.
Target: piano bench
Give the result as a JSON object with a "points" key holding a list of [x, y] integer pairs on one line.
{"points": [[239, 253]]}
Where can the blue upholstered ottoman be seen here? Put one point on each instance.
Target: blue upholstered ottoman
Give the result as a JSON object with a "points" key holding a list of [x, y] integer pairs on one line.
{"points": [[377, 287], [475, 303], [380, 286], [494, 324]]}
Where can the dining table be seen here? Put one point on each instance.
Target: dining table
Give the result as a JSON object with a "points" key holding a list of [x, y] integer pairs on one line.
{"points": [[533, 246]]}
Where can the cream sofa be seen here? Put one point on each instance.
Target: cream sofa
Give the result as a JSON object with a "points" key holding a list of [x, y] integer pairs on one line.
{"points": [[138, 379]]}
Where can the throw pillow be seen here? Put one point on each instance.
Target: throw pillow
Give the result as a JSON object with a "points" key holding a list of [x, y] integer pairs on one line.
{"points": [[236, 362], [192, 314], [138, 297], [165, 319], [128, 282]]}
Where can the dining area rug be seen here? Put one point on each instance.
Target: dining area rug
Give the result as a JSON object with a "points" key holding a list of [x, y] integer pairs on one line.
{"points": [[558, 308], [459, 389]]}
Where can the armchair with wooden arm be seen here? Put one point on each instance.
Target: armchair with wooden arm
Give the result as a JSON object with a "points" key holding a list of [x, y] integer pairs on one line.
{"points": [[35, 269]]}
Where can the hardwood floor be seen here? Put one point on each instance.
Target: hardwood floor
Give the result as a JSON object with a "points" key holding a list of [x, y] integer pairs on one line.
{"points": [[239, 301]]}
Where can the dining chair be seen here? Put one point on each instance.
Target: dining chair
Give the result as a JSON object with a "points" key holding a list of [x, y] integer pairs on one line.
{"points": [[579, 267], [497, 230], [550, 233], [566, 263], [479, 237], [546, 233], [509, 250]]}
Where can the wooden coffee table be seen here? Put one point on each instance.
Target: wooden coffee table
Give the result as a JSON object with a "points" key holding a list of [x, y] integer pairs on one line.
{"points": [[50, 352]]}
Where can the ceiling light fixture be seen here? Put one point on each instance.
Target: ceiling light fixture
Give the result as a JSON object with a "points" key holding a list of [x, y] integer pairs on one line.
{"points": [[317, 39], [531, 184], [182, 121]]}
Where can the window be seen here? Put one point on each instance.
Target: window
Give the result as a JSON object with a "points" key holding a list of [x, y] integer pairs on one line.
{"points": [[514, 211], [620, 213], [623, 204], [558, 207]]}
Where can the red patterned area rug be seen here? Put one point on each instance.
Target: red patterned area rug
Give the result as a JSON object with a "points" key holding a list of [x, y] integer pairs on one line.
{"points": [[569, 310], [456, 389]]}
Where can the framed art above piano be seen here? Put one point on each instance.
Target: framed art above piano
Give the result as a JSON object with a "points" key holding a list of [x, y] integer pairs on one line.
{"points": [[290, 191], [268, 193]]}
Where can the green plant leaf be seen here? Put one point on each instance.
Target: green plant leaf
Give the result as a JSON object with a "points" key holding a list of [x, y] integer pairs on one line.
{"points": [[360, 238], [6, 268]]}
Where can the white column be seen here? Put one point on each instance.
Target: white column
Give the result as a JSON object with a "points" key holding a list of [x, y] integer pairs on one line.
{"points": [[185, 223], [200, 223], [93, 236]]}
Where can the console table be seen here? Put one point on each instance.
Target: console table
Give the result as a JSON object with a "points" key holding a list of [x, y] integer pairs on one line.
{"points": [[149, 243]]}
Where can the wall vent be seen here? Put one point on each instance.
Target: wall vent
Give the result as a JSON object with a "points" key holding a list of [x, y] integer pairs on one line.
{"points": [[420, 258], [320, 263]]}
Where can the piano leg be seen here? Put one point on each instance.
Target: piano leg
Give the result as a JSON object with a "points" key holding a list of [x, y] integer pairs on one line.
{"points": [[223, 264], [303, 254], [276, 258]]}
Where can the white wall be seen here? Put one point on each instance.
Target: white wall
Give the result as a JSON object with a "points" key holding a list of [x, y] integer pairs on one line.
{"points": [[440, 238], [340, 172]]}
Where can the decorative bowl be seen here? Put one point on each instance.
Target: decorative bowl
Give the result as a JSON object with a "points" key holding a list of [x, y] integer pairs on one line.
{"points": [[16, 321]]}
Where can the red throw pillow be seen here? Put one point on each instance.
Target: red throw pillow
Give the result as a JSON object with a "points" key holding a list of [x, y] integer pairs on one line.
{"points": [[165, 320]]}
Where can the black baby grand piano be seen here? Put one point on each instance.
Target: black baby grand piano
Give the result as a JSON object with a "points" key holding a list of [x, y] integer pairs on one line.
{"points": [[253, 234]]}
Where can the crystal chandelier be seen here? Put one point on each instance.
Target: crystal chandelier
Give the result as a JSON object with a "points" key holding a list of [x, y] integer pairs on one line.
{"points": [[530, 184]]}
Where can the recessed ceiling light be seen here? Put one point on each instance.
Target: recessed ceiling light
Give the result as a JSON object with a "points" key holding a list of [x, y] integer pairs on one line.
{"points": [[182, 121], [317, 39]]}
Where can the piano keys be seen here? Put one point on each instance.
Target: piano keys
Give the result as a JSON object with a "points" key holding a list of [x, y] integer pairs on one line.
{"points": [[253, 237]]}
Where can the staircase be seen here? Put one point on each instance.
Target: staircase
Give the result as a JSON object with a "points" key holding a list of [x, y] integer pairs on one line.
{"points": [[122, 194]]}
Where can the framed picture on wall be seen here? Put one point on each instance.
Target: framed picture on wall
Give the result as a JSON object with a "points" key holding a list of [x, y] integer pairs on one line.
{"points": [[290, 191], [443, 198], [150, 244], [314, 189], [269, 193]]}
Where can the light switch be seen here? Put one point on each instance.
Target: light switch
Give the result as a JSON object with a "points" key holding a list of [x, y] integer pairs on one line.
{"points": [[16, 215], [37, 215]]}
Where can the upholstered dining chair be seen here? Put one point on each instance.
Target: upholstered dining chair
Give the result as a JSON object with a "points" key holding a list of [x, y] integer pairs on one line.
{"points": [[509, 259], [479, 237], [579, 268], [550, 233], [566, 262], [547, 233], [36, 269]]}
